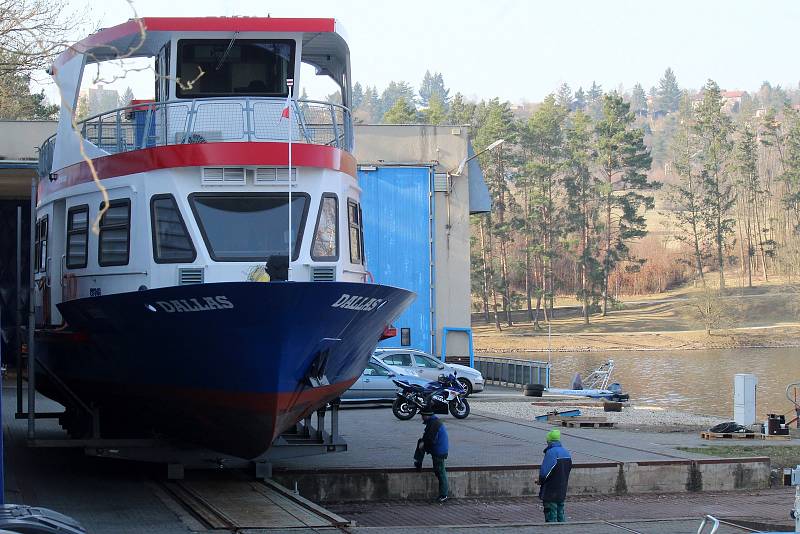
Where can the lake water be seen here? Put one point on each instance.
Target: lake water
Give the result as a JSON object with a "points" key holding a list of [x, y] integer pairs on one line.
{"points": [[697, 381]]}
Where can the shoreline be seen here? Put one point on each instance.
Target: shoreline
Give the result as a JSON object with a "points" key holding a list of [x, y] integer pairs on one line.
{"points": [[632, 349], [516, 339]]}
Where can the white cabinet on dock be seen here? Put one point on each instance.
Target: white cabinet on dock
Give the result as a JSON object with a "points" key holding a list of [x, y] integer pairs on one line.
{"points": [[744, 398]]}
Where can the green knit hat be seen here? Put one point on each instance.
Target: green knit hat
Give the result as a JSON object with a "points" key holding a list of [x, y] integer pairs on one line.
{"points": [[554, 435]]}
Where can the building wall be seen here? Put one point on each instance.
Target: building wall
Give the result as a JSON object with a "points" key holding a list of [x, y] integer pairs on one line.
{"points": [[444, 147], [21, 139]]}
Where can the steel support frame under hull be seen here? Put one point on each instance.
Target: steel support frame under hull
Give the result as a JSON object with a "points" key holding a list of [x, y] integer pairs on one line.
{"points": [[306, 440]]}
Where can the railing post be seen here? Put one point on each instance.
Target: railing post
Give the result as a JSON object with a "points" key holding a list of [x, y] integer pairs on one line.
{"points": [[248, 115], [119, 132], [336, 130], [190, 118]]}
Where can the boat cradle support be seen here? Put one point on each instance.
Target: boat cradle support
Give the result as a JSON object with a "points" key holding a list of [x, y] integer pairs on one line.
{"points": [[305, 439]]}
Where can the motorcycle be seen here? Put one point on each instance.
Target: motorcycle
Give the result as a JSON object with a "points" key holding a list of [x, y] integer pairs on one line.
{"points": [[412, 398]]}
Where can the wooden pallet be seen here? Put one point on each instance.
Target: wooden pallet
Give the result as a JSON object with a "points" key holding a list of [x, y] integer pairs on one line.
{"points": [[729, 435], [582, 418], [775, 438], [586, 422]]}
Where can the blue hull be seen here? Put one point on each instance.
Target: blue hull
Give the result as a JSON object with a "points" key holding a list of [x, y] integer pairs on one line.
{"points": [[228, 366]]}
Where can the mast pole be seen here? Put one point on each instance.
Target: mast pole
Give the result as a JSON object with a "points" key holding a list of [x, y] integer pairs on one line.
{"points": [[290, 84]]}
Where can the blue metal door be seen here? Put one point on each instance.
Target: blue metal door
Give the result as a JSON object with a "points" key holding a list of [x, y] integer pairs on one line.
{"points": [[396, 203]]}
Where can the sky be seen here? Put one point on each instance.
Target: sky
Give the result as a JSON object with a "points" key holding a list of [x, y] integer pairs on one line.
{"points": [[522, 50]]}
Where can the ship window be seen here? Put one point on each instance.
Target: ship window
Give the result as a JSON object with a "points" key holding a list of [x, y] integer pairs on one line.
{"points": [[356, 232], [171, 241], [115, 234], [40, 260], [242, 67], [249, 227], [78, 237], [326, 234]]}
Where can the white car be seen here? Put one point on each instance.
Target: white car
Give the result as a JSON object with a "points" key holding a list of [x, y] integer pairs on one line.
{"points": [[376, 384], [417, 363]]}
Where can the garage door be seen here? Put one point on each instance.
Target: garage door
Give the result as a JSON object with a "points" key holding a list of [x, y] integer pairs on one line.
{"points": [[397, 242]]}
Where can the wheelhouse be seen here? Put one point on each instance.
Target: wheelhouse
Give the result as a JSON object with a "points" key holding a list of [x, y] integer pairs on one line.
{"points": [[194, 185]]}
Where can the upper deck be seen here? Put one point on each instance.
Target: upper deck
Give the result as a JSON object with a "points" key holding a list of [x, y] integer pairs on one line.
{"points": [[217, 79]]}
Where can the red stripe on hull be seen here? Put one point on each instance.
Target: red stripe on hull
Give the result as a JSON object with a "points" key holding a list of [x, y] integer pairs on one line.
{"points": [[202, 154]]}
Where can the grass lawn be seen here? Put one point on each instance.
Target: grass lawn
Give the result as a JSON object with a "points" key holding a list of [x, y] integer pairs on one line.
{"points": [[780, 456]]}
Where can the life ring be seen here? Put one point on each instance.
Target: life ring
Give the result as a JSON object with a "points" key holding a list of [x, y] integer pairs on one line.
{"points": [[70, 291]]}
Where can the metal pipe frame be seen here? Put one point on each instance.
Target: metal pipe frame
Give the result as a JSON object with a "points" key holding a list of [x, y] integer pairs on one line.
{"points": [[32, 322], [20, 311]]}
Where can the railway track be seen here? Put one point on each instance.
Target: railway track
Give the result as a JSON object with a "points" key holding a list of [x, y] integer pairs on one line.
{"points": [[232, 503]]}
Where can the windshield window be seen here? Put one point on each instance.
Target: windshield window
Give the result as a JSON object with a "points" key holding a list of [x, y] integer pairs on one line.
{"points": [[248, 67], [249, 227]]}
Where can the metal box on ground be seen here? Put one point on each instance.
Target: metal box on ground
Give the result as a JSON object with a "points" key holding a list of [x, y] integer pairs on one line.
{"points": [[744, 398]]}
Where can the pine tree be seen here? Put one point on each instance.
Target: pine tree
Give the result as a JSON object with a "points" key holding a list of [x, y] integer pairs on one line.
{"points": [[750, 203], [542, 142], [564, 97], [638, 100], [433, 85], [18, 103], [358, 96], [582, 197], [594, 105], [624, 161], [401, 113], [687, 194], [498, 123], [579, 100], [461, 111], [669, 93], [595, 92], [714, 131], [393, 92], [435, 112], [126, 98], [370, 108]]}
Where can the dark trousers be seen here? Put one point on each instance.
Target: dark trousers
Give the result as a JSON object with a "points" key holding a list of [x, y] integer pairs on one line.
{"points": [[439, 469], [554, 512]]}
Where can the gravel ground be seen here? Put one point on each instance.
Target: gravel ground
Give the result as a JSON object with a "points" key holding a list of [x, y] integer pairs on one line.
{"points": [[631, 417]]}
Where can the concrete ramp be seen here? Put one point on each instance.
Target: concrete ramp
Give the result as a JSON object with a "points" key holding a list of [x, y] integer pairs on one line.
{"points": [[234, 505]]}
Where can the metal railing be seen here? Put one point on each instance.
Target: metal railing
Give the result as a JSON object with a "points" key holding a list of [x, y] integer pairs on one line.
{"points": [[513, 372], [209, 120]]}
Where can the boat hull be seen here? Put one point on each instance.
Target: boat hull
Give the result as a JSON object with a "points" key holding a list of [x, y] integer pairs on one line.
{"points": [[227, 366]]}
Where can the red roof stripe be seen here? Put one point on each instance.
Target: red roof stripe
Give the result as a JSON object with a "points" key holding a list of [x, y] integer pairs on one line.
{"points": [[198, 24], [199, 155]]}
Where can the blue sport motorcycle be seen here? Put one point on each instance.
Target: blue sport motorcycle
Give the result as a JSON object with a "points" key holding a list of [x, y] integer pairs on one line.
{"points": [[445, 394]]}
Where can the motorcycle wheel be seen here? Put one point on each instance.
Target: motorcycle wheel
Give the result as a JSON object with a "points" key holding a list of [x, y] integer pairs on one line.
{"points": [[403, 410], [459, 408]]}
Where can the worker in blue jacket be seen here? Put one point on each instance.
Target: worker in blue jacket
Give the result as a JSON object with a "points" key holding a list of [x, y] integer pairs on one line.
{"points": [[554, 477], [434, 442]]}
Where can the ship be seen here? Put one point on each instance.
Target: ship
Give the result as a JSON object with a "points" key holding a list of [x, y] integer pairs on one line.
{"points": [[199, 257]]}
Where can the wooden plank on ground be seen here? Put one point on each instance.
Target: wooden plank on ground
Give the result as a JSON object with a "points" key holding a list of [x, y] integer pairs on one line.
{"points": [[729, 435]]}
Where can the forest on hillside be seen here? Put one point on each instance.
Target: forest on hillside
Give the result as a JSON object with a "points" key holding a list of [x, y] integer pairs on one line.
{"points": [[598, 194]]}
